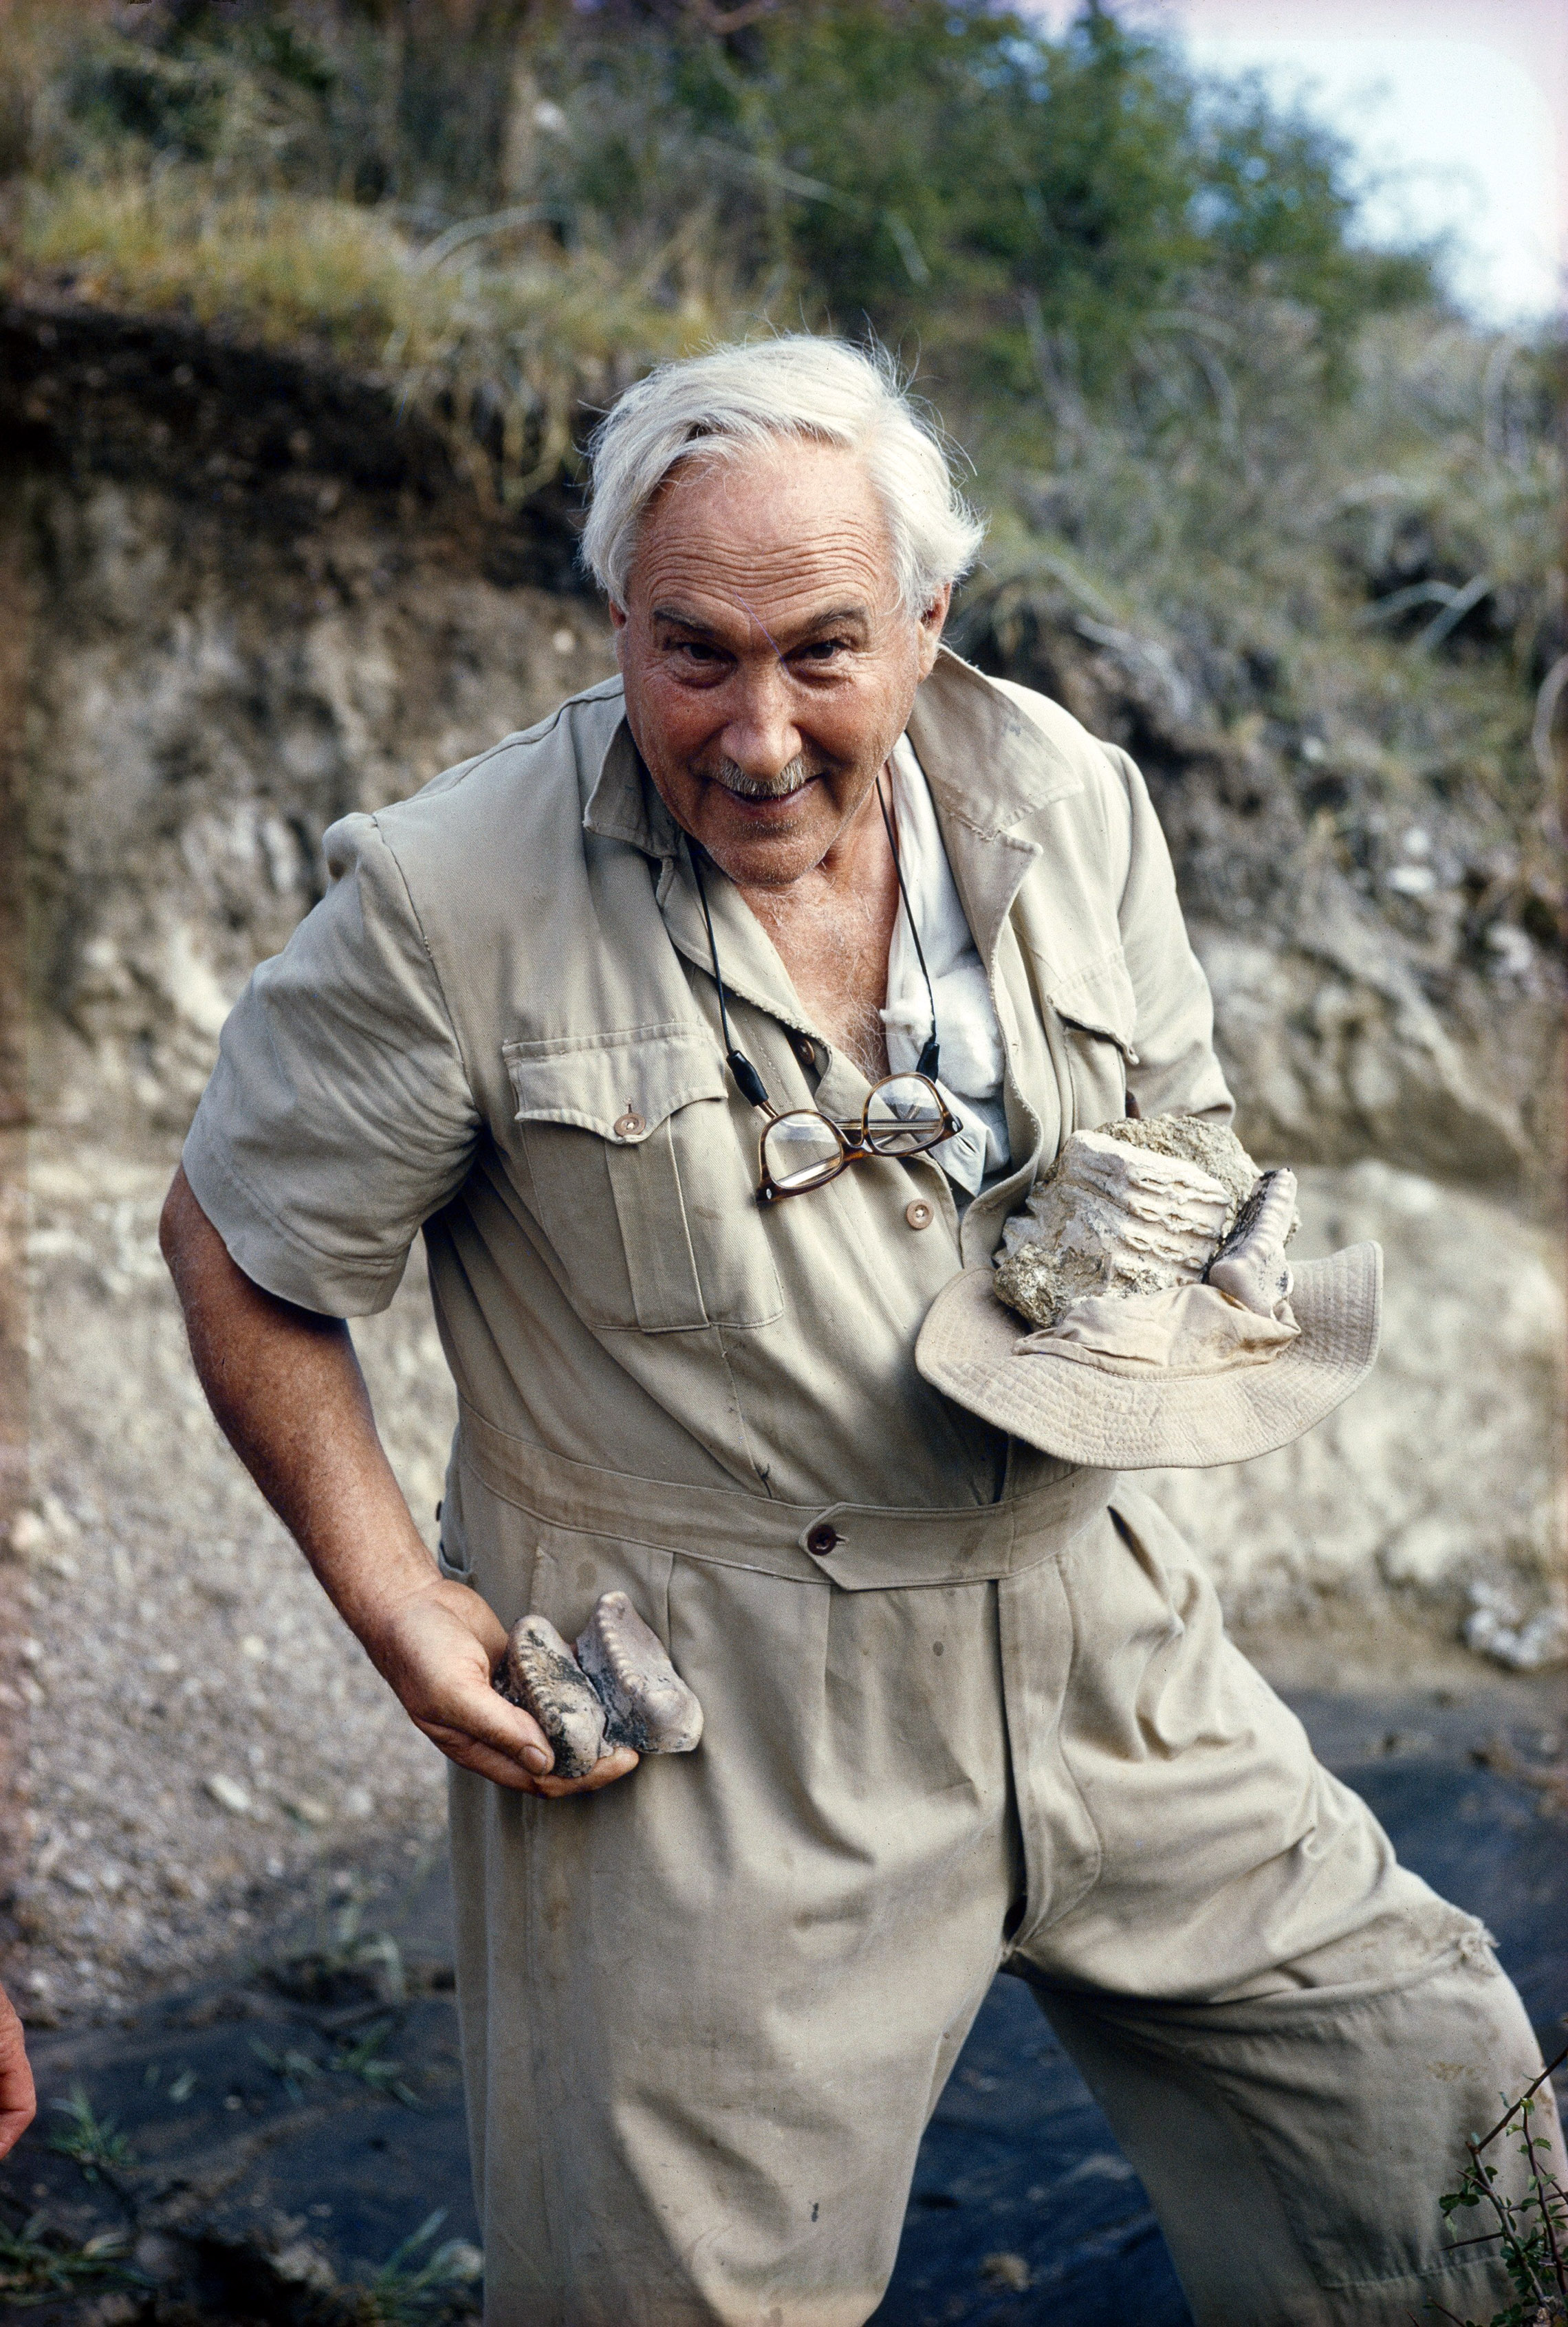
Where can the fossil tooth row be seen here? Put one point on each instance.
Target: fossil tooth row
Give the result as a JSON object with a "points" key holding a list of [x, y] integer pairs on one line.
{"points": [[647, 1705], [1251, 1263], [620, 1688], [540, 1673]]}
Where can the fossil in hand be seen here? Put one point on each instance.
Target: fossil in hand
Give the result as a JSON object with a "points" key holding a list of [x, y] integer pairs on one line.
{"points": [[619, 1690]]}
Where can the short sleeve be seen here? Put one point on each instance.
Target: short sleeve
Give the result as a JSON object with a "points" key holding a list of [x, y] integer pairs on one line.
{"points": [[1176, 1072], [340, 1116]]}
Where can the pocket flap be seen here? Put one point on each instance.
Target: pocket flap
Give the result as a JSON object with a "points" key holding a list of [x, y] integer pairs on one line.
{"points": [[622, 1085], [1100, 999]]}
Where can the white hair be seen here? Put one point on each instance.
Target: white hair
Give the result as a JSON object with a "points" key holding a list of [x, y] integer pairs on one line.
{"points": [[715, 408]]}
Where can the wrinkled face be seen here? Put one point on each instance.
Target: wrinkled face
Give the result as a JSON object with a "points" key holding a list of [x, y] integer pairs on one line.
{"points": [[770, 667]]}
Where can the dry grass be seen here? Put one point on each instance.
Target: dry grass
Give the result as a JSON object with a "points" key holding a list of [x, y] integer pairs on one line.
{"points": [[504, 339]]}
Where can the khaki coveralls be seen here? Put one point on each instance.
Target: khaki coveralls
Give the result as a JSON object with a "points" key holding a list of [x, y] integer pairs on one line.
{"points": [[966, 1707]]}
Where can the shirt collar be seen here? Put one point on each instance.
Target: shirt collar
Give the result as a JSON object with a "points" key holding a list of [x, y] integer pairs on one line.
{"points": [[623, 804], [988, 765]]}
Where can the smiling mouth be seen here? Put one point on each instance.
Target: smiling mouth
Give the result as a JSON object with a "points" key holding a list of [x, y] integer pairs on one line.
{"points": [[764, 792]]}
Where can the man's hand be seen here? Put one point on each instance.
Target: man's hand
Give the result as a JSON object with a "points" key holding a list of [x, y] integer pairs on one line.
{"points": [[18, 2100], [437, 1648], [287, 1391]]}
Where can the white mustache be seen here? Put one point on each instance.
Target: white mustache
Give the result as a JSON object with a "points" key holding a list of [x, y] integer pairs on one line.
{"points": [[760, 787]]}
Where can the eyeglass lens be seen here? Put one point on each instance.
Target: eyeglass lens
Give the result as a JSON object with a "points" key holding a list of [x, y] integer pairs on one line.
{"points": [[904, 1116], [800, 1150]]}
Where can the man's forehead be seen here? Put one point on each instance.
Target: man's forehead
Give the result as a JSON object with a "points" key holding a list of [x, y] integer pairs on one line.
{"points": [[809, 536]]}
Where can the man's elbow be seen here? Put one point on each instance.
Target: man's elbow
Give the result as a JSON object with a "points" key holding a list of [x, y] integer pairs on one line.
{"points": [[173, 1221], [191, 1246]]}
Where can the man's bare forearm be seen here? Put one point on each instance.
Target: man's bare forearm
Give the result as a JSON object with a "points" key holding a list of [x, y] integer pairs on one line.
{"points": [[287, 1391]]}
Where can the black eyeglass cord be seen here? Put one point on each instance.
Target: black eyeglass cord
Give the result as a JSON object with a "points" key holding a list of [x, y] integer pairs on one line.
{"points": [[929, 1059], [748, 1081]]}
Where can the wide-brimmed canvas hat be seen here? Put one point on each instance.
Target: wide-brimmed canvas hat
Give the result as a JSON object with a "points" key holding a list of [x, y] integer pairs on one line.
{"points": [[1212, 1403]]}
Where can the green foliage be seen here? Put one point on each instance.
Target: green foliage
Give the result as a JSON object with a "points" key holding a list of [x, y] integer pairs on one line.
{"points": [[948, 171], [363, 2059], [1529, 2232], [92, 2142], [37, 2263], [408, 2292], [294, 2068], [939, 169], [1202, 413]]}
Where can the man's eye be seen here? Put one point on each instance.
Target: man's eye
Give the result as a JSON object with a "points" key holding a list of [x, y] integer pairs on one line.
{"points": [[821, 650], [696, 650]]}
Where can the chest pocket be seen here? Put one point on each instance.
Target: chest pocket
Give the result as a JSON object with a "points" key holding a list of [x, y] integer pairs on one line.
{"points": [[1098, 1011], [643, 1182]]}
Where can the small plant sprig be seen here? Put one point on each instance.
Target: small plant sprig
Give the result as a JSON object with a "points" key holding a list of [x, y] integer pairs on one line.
{"points": [[36, 2263], [91, 2142], [294, 2068], [363, 2059], [1533, 2230], [407, 2292]]}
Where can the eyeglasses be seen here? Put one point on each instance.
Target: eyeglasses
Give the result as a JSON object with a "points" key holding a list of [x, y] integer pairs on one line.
{"points": [[905, 1115]]}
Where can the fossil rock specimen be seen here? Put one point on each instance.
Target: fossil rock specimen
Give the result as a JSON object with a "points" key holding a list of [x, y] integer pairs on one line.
{"points": [[1111, 1217], [647, 1704], [1251, 1263], [540, 1673], [1214, 1147], [619, 1690]]}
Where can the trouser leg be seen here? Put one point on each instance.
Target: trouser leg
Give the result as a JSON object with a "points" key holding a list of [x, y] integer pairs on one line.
{"points": [[1294, 2147], [1289, 2032], [706, 2012]]}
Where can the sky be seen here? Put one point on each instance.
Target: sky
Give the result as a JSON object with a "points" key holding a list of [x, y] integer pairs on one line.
{"points": [[1458, 110]]}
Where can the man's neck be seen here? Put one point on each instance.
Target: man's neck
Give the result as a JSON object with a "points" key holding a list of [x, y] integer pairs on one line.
{"points": [[832, 929]]}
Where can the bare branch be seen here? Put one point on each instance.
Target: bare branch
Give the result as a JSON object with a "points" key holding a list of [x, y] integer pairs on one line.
{"points": [[1528, 2094]]}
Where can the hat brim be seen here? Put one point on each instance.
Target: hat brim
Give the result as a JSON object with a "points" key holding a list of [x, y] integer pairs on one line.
{"points": [[968, 1349]]}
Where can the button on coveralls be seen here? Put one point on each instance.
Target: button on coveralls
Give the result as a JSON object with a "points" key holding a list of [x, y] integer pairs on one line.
{"points": [[966, 1706]]}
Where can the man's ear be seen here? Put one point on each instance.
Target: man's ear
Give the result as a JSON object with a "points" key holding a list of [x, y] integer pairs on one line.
{"points": [[617, 616], [931, 625]]}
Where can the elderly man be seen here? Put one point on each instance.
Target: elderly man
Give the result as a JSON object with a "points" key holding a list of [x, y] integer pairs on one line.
{"points": [[966, 1707]]}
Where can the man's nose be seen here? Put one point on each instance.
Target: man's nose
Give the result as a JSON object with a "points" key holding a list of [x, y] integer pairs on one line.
{"points": [[760, 735]]}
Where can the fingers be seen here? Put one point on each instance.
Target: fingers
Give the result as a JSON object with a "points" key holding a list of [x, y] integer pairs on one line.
{"points": [[604, 1774], [472, 1753], [438, 1654], [502, 1728], [512, 1750], [18, 2100]]}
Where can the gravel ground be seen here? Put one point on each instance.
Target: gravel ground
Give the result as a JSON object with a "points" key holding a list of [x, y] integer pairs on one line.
{"points": [[209, 1752]]}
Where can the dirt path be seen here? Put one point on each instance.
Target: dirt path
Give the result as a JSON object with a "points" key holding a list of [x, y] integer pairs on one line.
{"points": [[206, 1744]]}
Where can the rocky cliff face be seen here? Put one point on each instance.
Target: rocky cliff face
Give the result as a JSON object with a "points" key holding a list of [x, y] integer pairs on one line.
{"points": [[1355, 1013]]}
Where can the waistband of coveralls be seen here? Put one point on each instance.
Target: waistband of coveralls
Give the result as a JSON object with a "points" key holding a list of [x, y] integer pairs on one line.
{"points": [[861, 1547]]}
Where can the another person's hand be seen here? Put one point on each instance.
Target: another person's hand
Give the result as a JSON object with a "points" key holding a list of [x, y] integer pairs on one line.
{"points": [[438, 1648], [18, 2100]]}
